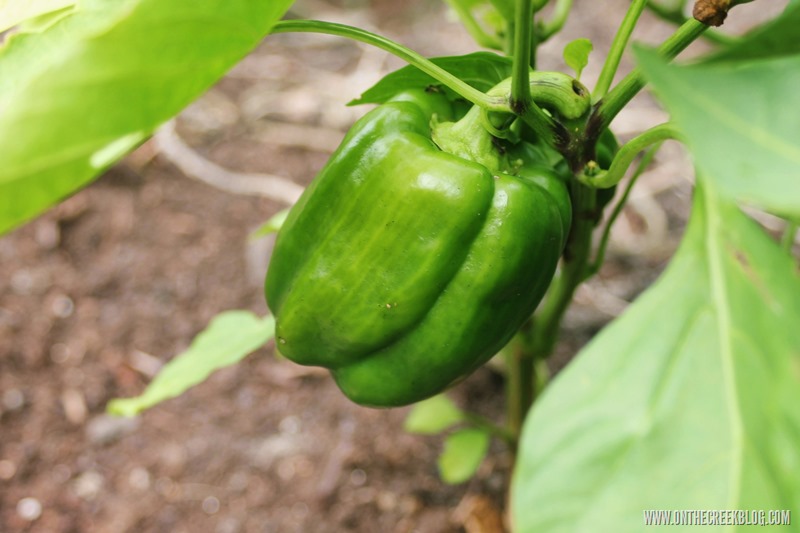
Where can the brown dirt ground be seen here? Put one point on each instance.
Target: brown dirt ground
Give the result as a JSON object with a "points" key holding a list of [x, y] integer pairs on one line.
{"points": [[98, 292]]}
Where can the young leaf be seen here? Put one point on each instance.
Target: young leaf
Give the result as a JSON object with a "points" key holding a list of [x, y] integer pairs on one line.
{"points": [[688, 401], [482, 70], [229, 337], [463, 453], [92, 86], [740, 123], [433, 415], [576, 55], [273, 225]]}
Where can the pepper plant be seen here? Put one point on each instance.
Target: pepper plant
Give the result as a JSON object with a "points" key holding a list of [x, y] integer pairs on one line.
{"points": [[689, 400]]}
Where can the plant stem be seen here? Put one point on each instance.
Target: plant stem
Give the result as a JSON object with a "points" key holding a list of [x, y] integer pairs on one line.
{"points": [[626, 154], [520, 375], [330, 28], [676, 16], [520, 74], [789, 233], [490, 427], [547, 319], [520, 383], [618, 48], [603, 246], [608, 108], [557, 21], [520, 100], [473, 28]]}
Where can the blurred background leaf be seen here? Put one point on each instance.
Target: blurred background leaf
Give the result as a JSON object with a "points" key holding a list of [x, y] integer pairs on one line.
{"points": [[463, 453], [739, 116], [81, 94], [433, 415]]}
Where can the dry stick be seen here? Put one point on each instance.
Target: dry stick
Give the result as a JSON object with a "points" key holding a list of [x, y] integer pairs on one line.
{"points": [[193, 165]]}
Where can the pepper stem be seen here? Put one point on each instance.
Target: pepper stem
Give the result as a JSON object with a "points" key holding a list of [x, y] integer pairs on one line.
{"points": [[604, 179], [357, 34]]}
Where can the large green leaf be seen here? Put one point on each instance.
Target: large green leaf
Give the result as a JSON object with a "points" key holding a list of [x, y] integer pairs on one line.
{"points": [[77, 96], [691, 400], [482, 70], [229, 337], [779, 37], [741, 123]]}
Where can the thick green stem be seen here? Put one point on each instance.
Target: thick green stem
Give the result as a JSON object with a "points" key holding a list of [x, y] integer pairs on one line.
{"points": [[463, 89], [520, 75], [618, 48], [520, 100], [614, 101], [604, 179], [547, 319], [520, 384]]}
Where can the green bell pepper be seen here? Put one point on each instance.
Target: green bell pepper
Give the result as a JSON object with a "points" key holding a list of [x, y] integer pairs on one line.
{"points": [[404, 267]]}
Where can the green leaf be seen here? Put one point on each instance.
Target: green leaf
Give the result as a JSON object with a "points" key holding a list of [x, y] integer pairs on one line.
{"points": [[740, 122], [273, 225], [13, 12], [690, 400], [463, 453], [482, 70], [433, 415], [576, 55], [42, 22], [773, 39], [229, 337], [95, 84]]}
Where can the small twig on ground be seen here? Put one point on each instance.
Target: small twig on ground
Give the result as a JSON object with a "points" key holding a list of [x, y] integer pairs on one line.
{"points": [[193, 165]]}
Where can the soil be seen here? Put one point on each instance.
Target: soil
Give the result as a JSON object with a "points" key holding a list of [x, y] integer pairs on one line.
{"points": [[98, 293]]}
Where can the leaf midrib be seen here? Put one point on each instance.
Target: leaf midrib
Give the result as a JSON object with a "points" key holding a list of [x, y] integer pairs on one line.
{"points": [[714, 223]]}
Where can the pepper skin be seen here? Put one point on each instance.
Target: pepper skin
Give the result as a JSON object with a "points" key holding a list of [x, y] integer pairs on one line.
{"points": [[403, 267]]}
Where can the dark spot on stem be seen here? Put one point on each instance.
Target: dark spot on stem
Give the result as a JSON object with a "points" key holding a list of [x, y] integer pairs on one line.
{"points": [[578, 88]]}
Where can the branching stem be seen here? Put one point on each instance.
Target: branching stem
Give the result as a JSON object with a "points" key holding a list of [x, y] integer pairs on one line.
{"points": [[520, 101], [624, 91], [439, 74], [618, 48], [557, 21], [604, 179]]}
